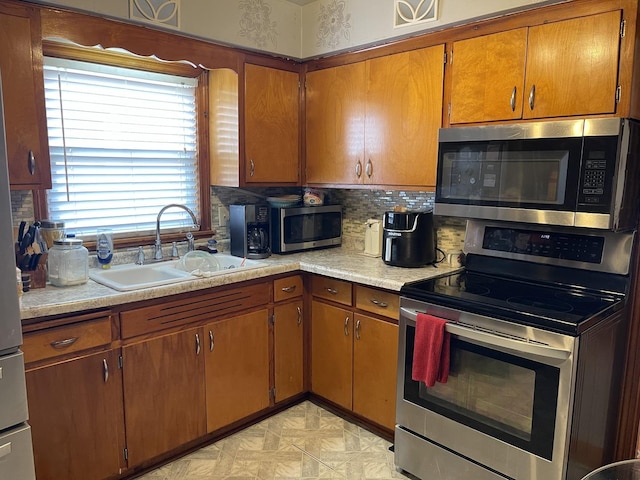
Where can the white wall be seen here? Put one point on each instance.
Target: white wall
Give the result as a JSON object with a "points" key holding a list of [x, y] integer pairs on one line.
{"points": [[286, 29]]}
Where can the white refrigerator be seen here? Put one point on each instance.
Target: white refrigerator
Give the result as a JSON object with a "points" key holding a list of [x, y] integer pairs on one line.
{"points": [[16, 453]]}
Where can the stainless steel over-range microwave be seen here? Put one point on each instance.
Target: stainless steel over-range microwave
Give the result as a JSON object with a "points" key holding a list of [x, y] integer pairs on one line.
{"points": [[581, 173], [305, 228]]}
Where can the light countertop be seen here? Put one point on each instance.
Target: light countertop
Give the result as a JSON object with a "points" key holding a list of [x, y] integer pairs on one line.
{"points": [[336, 262]]}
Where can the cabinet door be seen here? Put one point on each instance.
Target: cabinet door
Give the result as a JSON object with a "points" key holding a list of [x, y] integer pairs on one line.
{"points": [[335, 101], [163, 393], [375, 359], [237, 368], [572, 67], [331, 353], [23, 93], [404, 113], [76, 417], [288, 332], [487, 77], [271, 125]]}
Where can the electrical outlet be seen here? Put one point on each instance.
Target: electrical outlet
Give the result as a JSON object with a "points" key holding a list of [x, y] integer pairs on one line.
{"points": [[223, 216]]}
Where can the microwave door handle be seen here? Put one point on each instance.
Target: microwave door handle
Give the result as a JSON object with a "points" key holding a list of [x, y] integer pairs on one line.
{"points": [[491, 339]]}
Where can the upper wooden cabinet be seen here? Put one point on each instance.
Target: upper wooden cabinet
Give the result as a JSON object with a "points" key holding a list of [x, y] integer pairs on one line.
{"points": [[271, 111], [23, 97], [376, 122], [335, 100], [557, 69]]}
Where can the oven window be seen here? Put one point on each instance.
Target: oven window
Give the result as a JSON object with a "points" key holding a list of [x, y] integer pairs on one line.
{"points": [[503, 395]]}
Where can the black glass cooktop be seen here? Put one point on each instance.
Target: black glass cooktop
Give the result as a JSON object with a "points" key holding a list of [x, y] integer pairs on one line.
{"points": [[549, 306]]}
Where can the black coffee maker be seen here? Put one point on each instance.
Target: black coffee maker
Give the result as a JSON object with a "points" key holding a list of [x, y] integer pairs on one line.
{"points": [[249, 229], [408, 239]]}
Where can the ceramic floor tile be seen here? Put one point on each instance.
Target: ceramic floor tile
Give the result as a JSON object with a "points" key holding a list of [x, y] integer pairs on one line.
{"points": [[304, 442]]}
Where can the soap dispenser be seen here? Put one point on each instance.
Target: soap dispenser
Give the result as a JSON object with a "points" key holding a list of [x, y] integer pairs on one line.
{"points": [[373, 238]]}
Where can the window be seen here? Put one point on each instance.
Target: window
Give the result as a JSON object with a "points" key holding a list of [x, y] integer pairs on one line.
{"points": [[123, 144]]}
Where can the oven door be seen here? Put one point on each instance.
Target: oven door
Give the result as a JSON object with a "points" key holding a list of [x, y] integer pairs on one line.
{"points": [[506, 404]]}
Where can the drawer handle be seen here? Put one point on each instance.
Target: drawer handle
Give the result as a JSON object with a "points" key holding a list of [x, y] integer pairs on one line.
{"points": [[378, 303], [358, 330], [59, 344], [252, 168], [105, 370], [346, 327], [299, 315], [513, 99], [197, 344], [290, 289], [332, 291], [358, 169], [211, 341]]}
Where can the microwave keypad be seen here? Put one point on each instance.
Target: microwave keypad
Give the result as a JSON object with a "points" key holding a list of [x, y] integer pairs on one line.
{"points": [[594, 179]]}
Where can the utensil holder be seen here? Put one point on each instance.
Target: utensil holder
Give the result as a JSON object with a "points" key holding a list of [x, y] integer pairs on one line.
{"points": [[39, 276]]}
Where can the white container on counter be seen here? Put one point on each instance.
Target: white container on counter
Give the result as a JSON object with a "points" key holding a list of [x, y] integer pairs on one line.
{"points": [[68, 263], [373, 238]]}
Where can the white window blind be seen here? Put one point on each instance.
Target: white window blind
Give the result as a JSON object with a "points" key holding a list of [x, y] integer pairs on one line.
{"points": [[123, 144]]}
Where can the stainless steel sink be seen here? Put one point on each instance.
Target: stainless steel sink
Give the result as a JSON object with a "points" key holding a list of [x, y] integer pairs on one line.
{"points": [[134, 277]]}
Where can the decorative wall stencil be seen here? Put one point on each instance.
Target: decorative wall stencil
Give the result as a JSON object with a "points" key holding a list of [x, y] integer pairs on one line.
{"points": [[256, 24], [413, 12], [333, 24], [160, 12]]}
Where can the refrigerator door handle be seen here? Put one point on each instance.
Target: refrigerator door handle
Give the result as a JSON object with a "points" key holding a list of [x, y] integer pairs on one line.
{"points": [[5, 449]]}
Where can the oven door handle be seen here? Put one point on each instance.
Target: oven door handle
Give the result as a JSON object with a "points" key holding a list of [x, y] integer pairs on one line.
{"points": [[489, 338]]}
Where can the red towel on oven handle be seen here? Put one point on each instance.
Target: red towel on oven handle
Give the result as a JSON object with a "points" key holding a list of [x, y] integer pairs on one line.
{"points": [[431, 350]]}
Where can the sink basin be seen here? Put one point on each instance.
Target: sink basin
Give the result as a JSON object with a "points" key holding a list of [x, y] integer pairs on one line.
{"points": [[134, 277]]}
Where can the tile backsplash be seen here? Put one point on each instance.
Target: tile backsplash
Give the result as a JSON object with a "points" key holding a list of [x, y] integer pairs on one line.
{"points": [[359, 206]]}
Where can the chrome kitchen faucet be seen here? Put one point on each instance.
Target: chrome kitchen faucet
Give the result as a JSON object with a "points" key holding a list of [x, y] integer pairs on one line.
{"points": [[158, 244]]}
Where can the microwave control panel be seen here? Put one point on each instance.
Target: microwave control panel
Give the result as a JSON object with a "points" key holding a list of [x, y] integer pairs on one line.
{"points": [[598, 172]]}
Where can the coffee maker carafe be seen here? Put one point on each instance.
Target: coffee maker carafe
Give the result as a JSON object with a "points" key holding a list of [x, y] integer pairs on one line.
{"points": [[249, 229]]}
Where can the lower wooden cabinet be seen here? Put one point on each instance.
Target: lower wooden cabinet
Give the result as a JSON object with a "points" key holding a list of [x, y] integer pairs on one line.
{"points": [[288, 335], [164, 393], [237, 368], [76, 417], [332, 353], [375, 353], [354, 356]]}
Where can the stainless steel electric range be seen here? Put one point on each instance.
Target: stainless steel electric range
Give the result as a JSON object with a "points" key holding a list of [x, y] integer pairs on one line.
{"points": [[537, 330]]}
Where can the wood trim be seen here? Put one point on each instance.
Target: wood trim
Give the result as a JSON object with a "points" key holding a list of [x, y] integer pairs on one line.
{"points": [[137, 39], [629, 415]]}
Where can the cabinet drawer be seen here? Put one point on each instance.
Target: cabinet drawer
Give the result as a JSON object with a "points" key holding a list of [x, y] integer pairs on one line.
{"points": [[378, 301], [290, 287], [331, 289], [201, 308], [68, 339]]}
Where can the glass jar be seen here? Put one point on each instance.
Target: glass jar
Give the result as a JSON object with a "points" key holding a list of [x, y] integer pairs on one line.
{"points": [[51, 231], [68, 262]]}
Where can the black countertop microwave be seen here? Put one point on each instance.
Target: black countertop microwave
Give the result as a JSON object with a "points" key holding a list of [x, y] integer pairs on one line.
{"points": [[305, 228], [581, 173]]}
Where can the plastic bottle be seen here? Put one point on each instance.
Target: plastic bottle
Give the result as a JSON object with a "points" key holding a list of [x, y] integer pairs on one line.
{"points": [[104, 247]]}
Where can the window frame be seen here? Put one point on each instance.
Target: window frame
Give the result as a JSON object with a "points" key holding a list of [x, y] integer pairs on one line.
{"points": [[132, 61]]}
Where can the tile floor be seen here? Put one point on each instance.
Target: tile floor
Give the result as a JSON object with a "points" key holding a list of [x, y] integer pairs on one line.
{"points": [[303, 442]]}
